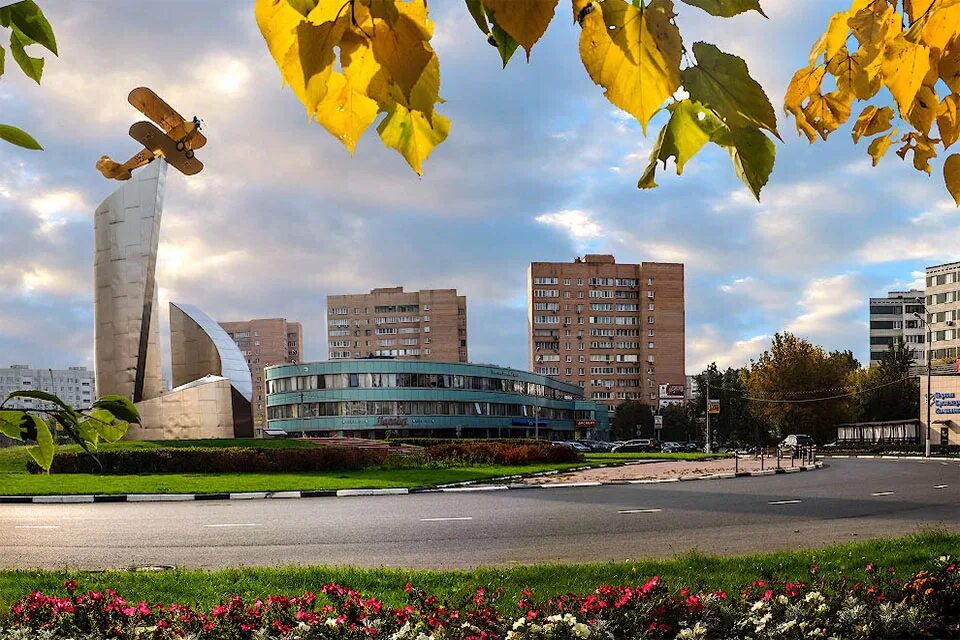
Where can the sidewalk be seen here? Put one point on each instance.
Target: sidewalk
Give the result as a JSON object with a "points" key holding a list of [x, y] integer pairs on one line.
{"points": [[667, 470]]}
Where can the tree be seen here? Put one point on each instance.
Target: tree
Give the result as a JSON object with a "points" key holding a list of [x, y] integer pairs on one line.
{"points": [[680, 423], [349, 61], [633, 419], [886, 391], [794, 384], [27, 26], [736, 423]]}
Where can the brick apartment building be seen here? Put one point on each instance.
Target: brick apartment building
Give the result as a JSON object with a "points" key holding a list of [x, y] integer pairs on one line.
{"points": [[264, 343], [390, 322], [615, 329]]}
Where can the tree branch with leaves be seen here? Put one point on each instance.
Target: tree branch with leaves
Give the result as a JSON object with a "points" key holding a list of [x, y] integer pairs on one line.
{"points": [[27, 26], [107, 419]]}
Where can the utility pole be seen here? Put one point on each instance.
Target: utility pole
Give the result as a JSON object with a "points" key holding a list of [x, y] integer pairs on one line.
{"points": [[925, 319], [706, 378]]}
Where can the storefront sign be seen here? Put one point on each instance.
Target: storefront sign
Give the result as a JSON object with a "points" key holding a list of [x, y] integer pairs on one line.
{"points": [[391, 421], [586, 423]]}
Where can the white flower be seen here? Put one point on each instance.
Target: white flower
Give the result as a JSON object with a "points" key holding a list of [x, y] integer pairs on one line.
{"points": [[813, 595], [331, 622], [519, 623], [757, 606], [581, 630], [782, 599]]}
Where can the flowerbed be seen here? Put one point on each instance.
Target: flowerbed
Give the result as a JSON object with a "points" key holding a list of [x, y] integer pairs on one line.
{"points": [[875, 604], [500, 453]]}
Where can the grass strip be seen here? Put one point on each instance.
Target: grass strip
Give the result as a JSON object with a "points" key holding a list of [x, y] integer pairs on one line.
{"points": [[205, 588]]}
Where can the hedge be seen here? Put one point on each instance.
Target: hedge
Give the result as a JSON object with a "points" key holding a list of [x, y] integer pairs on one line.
{"points": [[481, 452], [216, 460], [434, 442]]}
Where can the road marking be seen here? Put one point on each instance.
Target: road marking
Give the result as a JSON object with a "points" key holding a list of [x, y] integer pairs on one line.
{"points": [[940, 486], [37, 526], [445, 519], [877, 494], [628, 511], [239, 524], [785, 502]]}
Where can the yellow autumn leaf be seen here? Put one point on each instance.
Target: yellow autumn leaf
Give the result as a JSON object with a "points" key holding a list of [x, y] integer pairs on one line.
{"points": [[949, 65], [413, 134], [951, 175], [634, 55], [345, 112], [904, 66], [878, 147], [403, 50], [313, 57], [916, 8], [948, 120], [873, 26], [524, 20], [872, 120], [805, 84], [853, 75], [938, 26], [278, 21], [924, 149], [825, 113], [924, 109], [837, 33]]}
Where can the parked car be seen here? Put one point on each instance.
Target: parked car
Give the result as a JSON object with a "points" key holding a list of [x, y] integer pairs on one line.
{"points": [[635, 446], [596, 445], [671, 447], [570, 444], [793, 443]]}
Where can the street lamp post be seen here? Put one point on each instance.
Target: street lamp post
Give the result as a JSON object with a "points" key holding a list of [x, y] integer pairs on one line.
{"points": [[925, 319]]}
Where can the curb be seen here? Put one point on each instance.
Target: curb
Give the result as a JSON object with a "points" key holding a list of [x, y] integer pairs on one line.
{"points": [[882, 457], [462, 487]]}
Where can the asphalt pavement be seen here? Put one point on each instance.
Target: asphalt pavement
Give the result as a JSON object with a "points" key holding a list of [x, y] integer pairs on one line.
{"points": [[846, 501]]}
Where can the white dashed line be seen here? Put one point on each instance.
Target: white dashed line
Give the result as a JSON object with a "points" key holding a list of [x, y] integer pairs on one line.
{"points": [[940, 486], [629, 511], [878, 494], [785, 502], [240, 524], [445, 519], [37, 526]]}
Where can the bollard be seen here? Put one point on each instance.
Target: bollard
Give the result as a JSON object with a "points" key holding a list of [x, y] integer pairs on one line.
{"points": [[778, 457], [761, 458], [792, 460], [736, 463]]}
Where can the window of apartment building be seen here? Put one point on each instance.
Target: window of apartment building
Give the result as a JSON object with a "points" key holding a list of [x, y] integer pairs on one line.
{"points": [[567, 346], [546, 319], [649, 281], [650, 345], [580, 371], [579, 294], [580, 346], [569, 358], [569, 371], [339, 311], [650, 294], [649, 319], [582, 359], [650, 332], [546, 293], [566, 282], [626, 307], [649, 306], [544, 281], [601, 306]]}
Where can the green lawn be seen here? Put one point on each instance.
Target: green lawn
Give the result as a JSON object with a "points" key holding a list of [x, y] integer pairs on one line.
{"points": [[203, 588], [79, 483]]}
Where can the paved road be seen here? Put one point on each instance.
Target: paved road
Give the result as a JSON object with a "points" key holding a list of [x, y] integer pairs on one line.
{"points": [[847, 500]]}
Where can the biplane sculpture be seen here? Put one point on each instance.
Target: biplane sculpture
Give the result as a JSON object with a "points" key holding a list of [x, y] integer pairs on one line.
{"points": [[176, 141]]}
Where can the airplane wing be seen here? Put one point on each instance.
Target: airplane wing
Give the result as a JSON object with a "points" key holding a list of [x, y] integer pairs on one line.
{"points": [[152, 106]]}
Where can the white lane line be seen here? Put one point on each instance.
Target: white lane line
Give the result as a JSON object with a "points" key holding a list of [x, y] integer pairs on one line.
{"points": [[628, 511], [940, 486], [37, 526], [878, 494], [785, 502], [445, 519], [238, 524]]}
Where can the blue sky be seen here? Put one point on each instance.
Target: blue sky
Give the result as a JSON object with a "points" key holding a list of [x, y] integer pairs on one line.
{"points": [[538, 166]]}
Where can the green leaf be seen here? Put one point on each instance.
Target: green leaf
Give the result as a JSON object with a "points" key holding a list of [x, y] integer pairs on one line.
{"points": [[19, 137], [28, 17], [32, 67], [121, 408], [12, 424], [475, 7], [104, 425], [726, 8], [39, 395], [42, 454], [752, 154], [503, 41], [691, 126], [721, 81]]}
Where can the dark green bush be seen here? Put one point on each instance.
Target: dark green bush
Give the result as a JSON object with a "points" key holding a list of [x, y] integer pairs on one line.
{"points": [[217, 460]]}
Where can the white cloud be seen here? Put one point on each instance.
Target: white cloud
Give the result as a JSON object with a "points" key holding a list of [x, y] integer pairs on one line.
{"points": [[706, 345], [578, 224]]}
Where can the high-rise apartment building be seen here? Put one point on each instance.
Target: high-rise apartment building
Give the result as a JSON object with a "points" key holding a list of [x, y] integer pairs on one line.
{"points": [[943, 309], [894, 317], [75, 385], [615, 329], [390, 322], [264, 343]]}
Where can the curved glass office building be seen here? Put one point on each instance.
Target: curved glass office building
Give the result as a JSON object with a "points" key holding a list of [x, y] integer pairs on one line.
{"points": [[368, 398]]}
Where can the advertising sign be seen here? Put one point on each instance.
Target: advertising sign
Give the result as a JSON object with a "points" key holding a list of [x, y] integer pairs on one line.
{"points": [[672, 391], [713, 406], [586, 423]]}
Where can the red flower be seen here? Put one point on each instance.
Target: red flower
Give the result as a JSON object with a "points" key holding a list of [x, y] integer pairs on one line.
{"points": [[70, 586]]}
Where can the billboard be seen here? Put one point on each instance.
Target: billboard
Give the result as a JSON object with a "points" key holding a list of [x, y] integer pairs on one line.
{"points": [[713, 406], [672, 391]]}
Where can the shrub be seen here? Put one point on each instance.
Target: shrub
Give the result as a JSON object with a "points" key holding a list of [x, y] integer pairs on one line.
{"points": [[217, 460], [483, 452], [435, 442]]}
